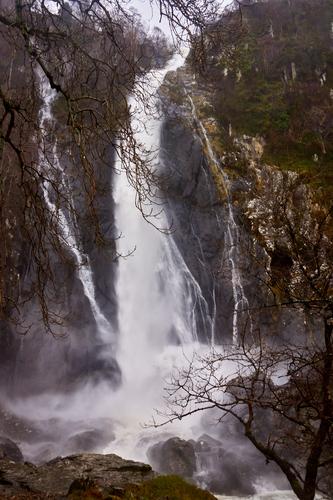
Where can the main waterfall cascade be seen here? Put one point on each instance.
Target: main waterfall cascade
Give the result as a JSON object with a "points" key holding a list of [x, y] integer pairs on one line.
{"points": [[159, 303], [160, 306], [158, 297]]}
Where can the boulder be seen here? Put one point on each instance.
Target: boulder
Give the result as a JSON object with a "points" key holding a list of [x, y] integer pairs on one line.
{"points": [[63, 475], [10, 450], [174, 456], [88, 441]]}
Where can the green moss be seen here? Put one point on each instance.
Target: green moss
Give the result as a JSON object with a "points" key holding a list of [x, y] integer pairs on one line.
{"points": [[160, 488], [299, 158], [273, 88], [166, 487], [219, 182]]}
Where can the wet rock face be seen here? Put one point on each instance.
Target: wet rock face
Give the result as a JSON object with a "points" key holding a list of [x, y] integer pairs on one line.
{"points": [[174, 456], [206, 211], [57, 476], [198, 211], [207, 462], [42, 440], [102, 256], [74, 354], [38, 362], [197, 218]]}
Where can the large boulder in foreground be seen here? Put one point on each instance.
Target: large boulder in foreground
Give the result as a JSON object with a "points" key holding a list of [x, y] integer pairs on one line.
{"points": [[57, 476]]}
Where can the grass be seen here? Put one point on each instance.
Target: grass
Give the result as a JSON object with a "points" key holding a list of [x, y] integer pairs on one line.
{"points": [[319, 175]]}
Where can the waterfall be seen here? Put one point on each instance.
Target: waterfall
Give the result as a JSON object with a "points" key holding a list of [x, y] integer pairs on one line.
{"points": [[159, 304], [49, 156], [158, 297], [159, 300], [232, 239], [156, 290]]}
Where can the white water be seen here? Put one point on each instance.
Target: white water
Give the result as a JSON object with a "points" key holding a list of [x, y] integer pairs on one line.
{"points": [[232, 243], [156, 290], [158, 297], [276, 495], [158, 305], [159, 301], [48, 156]]}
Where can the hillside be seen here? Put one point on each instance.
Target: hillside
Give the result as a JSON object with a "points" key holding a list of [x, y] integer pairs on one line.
{"points": [[270, 69]]}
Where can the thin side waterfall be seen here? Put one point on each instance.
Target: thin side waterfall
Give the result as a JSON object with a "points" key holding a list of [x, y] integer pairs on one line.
{"points": [[207, 316], [49, 155], [241, 303], [194, 308]]}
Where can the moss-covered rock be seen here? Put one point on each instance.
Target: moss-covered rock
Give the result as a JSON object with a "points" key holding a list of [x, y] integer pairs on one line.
{"points": [[166, 487]]}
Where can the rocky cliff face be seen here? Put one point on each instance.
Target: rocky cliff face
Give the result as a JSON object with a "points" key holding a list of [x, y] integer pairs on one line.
{"points": [[72, 477], [74, 353], [193, 205], [198, 205], [216, 187]]}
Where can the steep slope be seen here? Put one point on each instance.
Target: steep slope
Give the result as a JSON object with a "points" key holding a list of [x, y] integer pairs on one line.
{"points": [[254, 232]]}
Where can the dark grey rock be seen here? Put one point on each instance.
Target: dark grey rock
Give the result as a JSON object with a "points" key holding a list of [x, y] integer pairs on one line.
{"points": [[196, 216], [10, 450], [91, 440], [58, 476], [174, 456], [38, 363]]}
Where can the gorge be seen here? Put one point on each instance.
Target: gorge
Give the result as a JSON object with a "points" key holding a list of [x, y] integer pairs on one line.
{"points": [[220, 253]]}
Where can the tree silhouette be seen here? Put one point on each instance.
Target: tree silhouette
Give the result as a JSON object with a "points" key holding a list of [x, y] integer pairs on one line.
{"points": [[279, 389]]}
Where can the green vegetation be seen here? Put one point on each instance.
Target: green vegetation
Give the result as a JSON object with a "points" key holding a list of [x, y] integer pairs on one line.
{"points": [[255, 106], [159, 488], [274, 78], [167, 487], [296, 157]]}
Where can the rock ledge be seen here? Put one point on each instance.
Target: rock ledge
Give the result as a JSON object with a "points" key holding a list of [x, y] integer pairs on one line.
{"points": [[54, 479]]}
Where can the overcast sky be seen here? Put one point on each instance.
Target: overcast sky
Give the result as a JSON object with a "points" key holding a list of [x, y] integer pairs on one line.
{"points": [[150, 15], [149, 12]]}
